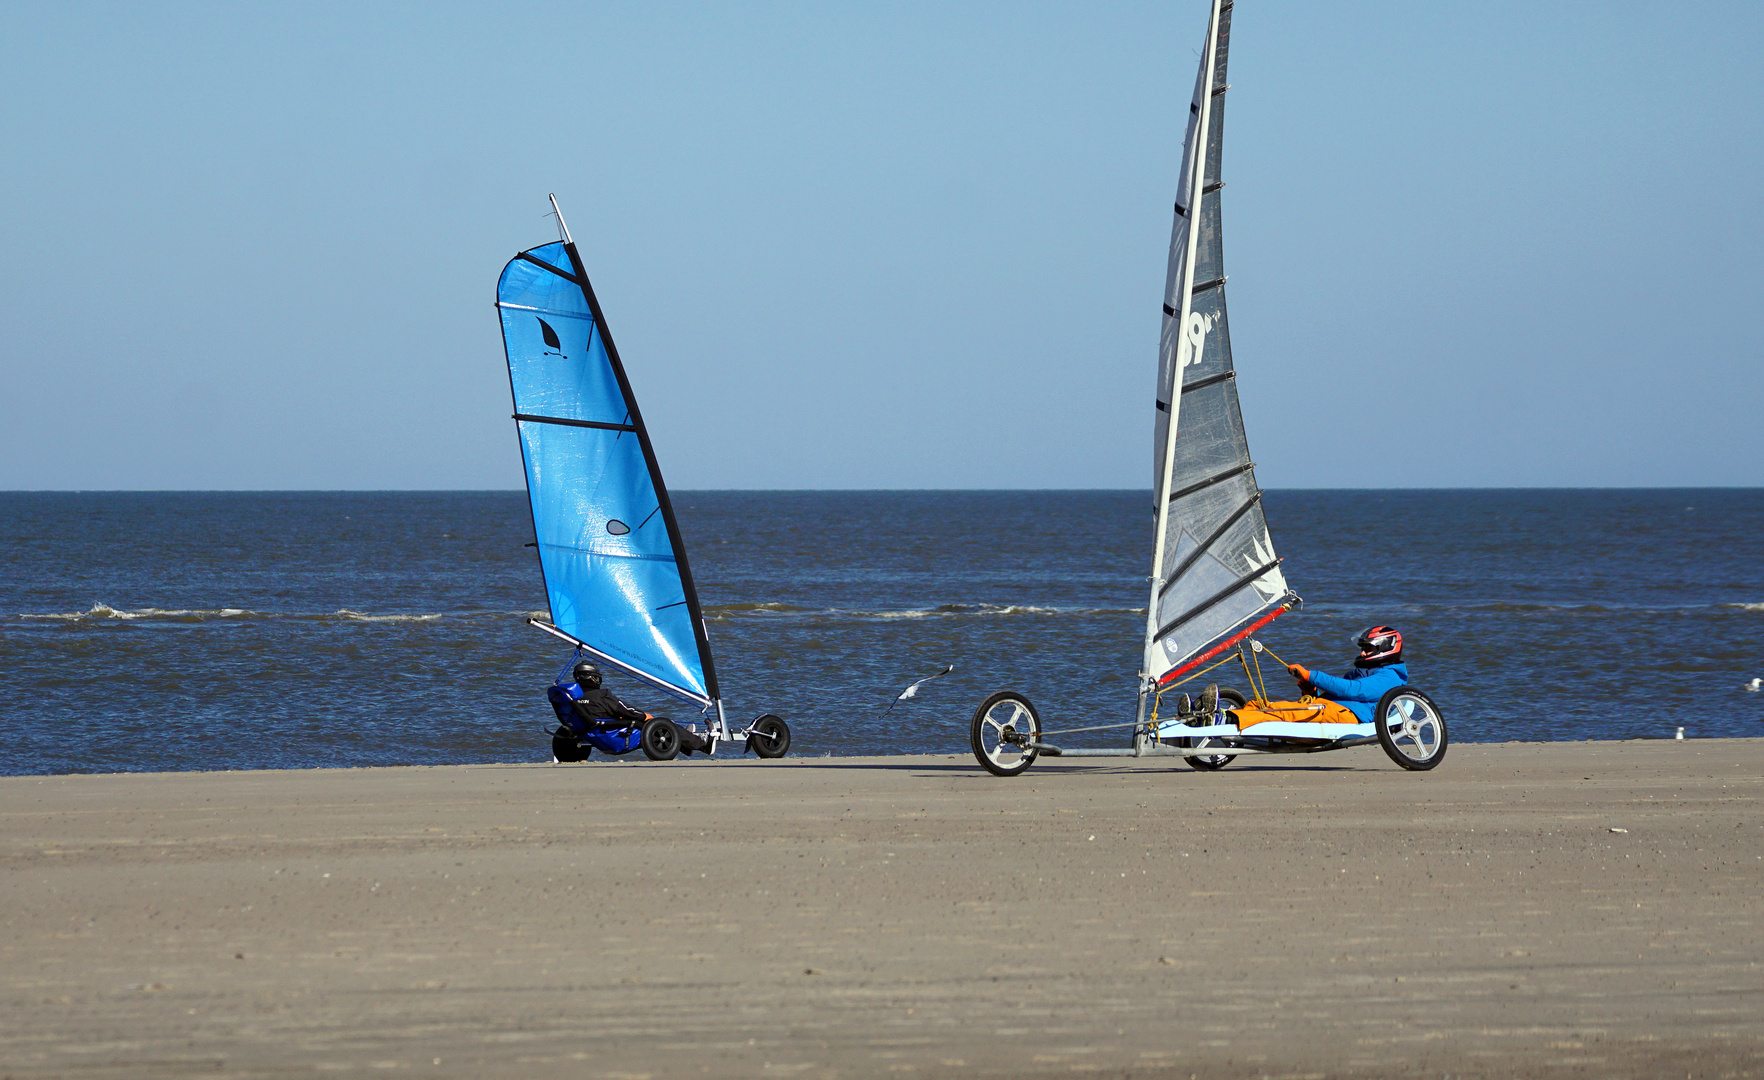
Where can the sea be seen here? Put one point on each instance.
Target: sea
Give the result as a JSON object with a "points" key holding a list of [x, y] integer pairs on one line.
{"points": [[172, 631]]}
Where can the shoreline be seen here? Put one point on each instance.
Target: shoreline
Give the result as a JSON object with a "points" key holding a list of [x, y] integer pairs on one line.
{"points": [[636, 757], [1539, 909]]}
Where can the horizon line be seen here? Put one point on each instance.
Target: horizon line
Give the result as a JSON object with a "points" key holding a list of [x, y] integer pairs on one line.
{"points": [[847, 491]]}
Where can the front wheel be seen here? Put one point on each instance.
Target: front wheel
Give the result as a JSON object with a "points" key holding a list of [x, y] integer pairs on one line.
{"points": [[661, 739], [769, 736], [1410, 728], [1228, 699], [1004, 726]]}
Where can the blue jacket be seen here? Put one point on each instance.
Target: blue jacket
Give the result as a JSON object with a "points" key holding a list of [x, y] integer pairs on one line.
{"points": [[1360, 688]]}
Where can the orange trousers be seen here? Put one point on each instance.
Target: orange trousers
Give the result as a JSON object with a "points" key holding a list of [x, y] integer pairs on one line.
{"points": [[1308, 710]]}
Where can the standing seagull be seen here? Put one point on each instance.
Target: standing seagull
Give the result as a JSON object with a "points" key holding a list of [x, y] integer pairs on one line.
{"points": [[1755, 684]]}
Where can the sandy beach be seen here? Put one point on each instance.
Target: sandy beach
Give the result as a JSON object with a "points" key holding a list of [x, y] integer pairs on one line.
{"points": [[1564, 909]]}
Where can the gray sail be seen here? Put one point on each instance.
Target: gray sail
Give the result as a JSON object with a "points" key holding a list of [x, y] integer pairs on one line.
{"points": [[1215, 577]]}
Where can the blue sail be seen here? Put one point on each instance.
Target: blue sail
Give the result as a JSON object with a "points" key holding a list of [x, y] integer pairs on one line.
{"points": [[615, 567]]}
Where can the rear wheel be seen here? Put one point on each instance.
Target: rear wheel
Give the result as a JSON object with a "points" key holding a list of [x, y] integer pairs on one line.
{"points": [[1003, 726], [1228, 699], [564, 746], [1410, 728], [661, 739], [769, 736]]}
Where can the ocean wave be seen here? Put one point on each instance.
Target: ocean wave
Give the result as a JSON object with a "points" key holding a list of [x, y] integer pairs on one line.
{"points": [[358, 616], [1500, 608], [1593, 609], [722, 612], [101, 612], [756, 609]]}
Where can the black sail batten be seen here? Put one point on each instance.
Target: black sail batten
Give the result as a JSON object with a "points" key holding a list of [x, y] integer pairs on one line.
{"points": [[534, 419], [1206, 545], [572, 279], [661, 490], [1210, 380], [1218, 478], [1217, 598]]}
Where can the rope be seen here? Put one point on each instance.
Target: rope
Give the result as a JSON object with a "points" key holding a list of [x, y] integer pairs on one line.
{"points": [[1158, 697], [1260, 678], [1275, 655]]}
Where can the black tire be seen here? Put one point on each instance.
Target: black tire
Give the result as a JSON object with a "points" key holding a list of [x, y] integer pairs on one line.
{"points": [[1411, 728], [769, 736], [1001, 724], [661, 739], [1231, 699], [564, 746]]}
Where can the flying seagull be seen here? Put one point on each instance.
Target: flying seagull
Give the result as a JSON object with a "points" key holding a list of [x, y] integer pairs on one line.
{"points": [[913, 689]]}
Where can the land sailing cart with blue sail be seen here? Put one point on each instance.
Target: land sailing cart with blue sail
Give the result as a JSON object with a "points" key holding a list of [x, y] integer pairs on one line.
{"points": [[1215, 580], [616, 575]]}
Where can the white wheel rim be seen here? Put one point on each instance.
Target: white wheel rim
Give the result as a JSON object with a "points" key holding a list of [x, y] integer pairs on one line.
{"points": [[998, 751], [1413, 727]]}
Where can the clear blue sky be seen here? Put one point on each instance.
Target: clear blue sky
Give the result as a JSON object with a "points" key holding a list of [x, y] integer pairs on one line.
{"points": [[918, 246]]}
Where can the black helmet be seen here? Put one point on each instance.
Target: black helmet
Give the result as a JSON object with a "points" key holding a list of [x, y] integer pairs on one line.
{"points": [[587, 674]]}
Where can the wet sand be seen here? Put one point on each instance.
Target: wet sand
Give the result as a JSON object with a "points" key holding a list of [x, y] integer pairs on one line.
{"points": [[1567, 909]]}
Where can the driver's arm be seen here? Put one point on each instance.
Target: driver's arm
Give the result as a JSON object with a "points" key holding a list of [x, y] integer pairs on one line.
{"points": [[622, 711]]}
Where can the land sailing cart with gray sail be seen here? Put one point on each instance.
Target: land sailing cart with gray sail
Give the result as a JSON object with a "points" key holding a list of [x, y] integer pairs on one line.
{"points": [[1215, 580], [616, 575]]}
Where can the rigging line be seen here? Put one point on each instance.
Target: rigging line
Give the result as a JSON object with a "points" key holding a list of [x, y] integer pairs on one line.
{"points": [[1195, 555], [1259, 647], [1217, 478], [1216, 598], [531, 418], [652, 513], [1260, 678], [665, 607], [1246, 673], [569, 277], [1169, 678], [1187, 678]]}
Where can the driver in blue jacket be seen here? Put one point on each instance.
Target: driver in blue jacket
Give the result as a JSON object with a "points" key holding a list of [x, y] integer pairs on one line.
{"points": [[1378, 668]]}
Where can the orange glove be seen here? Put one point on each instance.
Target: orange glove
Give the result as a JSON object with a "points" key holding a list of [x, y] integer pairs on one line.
{"points": [[1299, 672]]}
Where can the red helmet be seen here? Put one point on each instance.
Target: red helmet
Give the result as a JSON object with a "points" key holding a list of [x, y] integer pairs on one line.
{"points": [[1379, 643]]}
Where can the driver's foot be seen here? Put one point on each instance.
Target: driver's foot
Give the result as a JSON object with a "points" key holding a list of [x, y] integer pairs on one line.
{"points": [[1209, 700]]}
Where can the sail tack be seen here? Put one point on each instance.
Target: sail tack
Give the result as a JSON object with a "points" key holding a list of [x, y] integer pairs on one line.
{"points": [[1215, 576], [615, 567]]}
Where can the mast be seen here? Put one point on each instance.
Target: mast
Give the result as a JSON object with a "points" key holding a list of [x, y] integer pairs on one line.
{"points": [[1185, 290]]}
